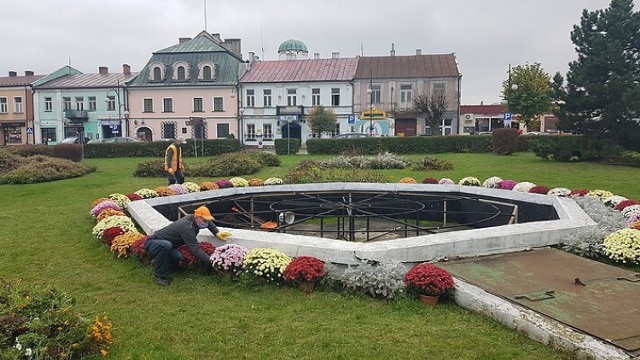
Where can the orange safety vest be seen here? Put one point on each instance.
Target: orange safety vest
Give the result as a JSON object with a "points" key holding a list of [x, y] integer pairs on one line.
{"points": [[177, 154]]}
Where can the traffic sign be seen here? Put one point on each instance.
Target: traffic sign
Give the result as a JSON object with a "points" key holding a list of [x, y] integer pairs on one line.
{"points": [[507, 116], [29, 130], [352, 119]]}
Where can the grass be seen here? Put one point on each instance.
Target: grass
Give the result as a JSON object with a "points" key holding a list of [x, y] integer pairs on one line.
{"points": [[47, 241]]}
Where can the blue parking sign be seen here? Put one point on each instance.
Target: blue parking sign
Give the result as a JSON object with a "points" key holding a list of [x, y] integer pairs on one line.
{"points": [[507, 116], [352, 119]]}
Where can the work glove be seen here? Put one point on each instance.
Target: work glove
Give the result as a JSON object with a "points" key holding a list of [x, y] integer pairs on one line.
{"points": [[223, 235], [171, 171]]}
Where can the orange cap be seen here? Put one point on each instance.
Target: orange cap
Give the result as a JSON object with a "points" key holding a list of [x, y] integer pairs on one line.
{"points": [[203, 212]]}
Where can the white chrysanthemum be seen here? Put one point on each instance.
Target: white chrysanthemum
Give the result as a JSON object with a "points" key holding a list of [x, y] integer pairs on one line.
{"points": [[273, 181], [559, 191], [147, 193], [492, 182], [524, 186], [633, 209], [121, 200], [623, 246], [446, 181], [191, 186], [123, 222], [600, 194], [614, 200]]}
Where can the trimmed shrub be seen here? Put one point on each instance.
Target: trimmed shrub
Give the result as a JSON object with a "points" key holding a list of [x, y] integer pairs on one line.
{"points": [[31, 150], [505, 141], [71, 152], [8, 161], [151, 168], [157, 148], [429, 163], [287, 146], [573, 148], [402, 145], [38, 168], [317, 175]]}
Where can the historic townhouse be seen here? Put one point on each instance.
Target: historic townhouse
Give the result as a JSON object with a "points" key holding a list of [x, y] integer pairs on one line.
{"points": [[278, 95], [384, 88], [16, 108], [72, 104], [188, 90]]}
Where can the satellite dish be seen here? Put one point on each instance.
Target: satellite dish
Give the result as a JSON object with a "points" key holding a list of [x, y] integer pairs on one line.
{"points": [[286, 218]]}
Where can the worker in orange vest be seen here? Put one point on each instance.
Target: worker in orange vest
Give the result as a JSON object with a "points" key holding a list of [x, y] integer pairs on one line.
{"points": [[173, 161]]}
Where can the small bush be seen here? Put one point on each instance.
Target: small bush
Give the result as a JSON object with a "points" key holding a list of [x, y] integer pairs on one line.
{"points": [[381, 281], [38, 168], [151, 168], [31, 150], [505, 141], [318, 175], [231, 164], [287, 146], [266, 159], [381, 161], [8, 161], [71, 152], [432, 164]]}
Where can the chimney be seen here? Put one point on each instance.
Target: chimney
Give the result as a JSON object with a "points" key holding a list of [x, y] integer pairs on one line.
{"points": [[103, 70], [183, 40], [481, 103], [316, 56], [418, 51], [393, 50], [335, 55], [233, 45], [28, 73], [13, 73], [216, 36], [126, 69]]}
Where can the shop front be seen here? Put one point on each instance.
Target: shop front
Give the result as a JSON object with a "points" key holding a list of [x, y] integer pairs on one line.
{"points": [[13, 133]]}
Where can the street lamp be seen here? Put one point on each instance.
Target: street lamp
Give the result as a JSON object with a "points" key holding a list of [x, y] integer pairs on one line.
{"points": [[370, 93], [510, 88], [288, 136], [119, 104]]}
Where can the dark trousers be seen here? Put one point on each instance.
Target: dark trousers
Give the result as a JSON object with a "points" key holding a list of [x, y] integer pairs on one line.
{"points": [[163, 255], [176, 178]]}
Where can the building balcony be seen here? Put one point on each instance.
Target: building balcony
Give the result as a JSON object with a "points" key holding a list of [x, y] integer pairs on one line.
{"points": [[76, 115]]}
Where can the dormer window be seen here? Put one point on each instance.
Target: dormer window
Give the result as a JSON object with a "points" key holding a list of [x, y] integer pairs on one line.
{"points": [[157, 71], [181, 71], [206, 71], [181, 74]]}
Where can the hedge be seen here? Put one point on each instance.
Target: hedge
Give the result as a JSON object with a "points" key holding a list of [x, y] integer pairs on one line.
{"points": [[157, 148], [573, 148], [283, 149]]}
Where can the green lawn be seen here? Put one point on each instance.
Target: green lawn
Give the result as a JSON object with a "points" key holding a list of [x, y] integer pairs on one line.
{"points": [[47, 241]]}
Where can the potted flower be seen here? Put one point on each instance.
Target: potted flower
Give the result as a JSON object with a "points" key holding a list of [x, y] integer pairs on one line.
{"points": [[266, 264], [429, 282], [228, 258], [304, 271]]}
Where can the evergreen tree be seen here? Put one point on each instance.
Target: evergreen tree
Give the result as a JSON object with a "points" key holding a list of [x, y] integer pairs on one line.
{"points": [[602, 95]]}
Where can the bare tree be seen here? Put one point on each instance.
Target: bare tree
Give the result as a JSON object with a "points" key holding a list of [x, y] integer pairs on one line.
{"points": [[433, 107]]}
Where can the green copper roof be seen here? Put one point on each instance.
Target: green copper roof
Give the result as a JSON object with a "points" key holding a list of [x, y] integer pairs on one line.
{"points": [[203, 42], [63, 71], [292, 45]]}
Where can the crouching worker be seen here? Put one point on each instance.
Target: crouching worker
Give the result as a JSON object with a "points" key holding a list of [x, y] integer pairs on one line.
{"points": [[163, 245]]}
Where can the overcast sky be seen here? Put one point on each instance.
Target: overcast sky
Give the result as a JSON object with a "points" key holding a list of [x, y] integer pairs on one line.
{"points": [[42, 35]]}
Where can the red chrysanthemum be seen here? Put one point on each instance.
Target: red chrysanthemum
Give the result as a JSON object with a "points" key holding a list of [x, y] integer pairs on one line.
{"points": [[430, 180], [304, 268], [579, 192], [428, 279], [539, 189], [110, 233], [133, 196], [623, 204], [189, 258]]}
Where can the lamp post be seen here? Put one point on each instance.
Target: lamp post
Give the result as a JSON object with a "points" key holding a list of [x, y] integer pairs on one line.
{"points": [[119, 105], [510, 87], [370, 93], [288, 136]]}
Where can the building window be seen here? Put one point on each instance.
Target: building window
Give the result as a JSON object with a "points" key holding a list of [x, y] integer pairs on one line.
{"points": [[267, 131], [181, 73], [315, 97], [206, 72], [48, 104], [17, 105], [92, 103], [197, 105], [157, 73], [335, 97], [169, 130], [375, 94], [14, 135], [147, 105], [79, 103], [251, 98], [111, 103], [291, 97], [439, 89], [218, 104], [3, 105], [406, 93], [67, 103], [167, 105], [251, 131], [223, 130], [267, 97]]}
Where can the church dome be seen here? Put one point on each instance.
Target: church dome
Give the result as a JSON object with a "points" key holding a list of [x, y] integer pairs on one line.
{"points": [[292, 45]]}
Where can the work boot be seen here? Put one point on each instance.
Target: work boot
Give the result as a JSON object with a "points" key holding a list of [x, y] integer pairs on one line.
{"points": [[162, 281]]}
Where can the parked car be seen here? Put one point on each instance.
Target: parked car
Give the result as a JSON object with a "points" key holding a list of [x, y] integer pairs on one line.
{"points": [[73, 140], [118, 140], [351, 136]]}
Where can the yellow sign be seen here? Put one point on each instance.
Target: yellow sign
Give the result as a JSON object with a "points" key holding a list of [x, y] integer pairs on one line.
{"points": [[373, 114]]}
